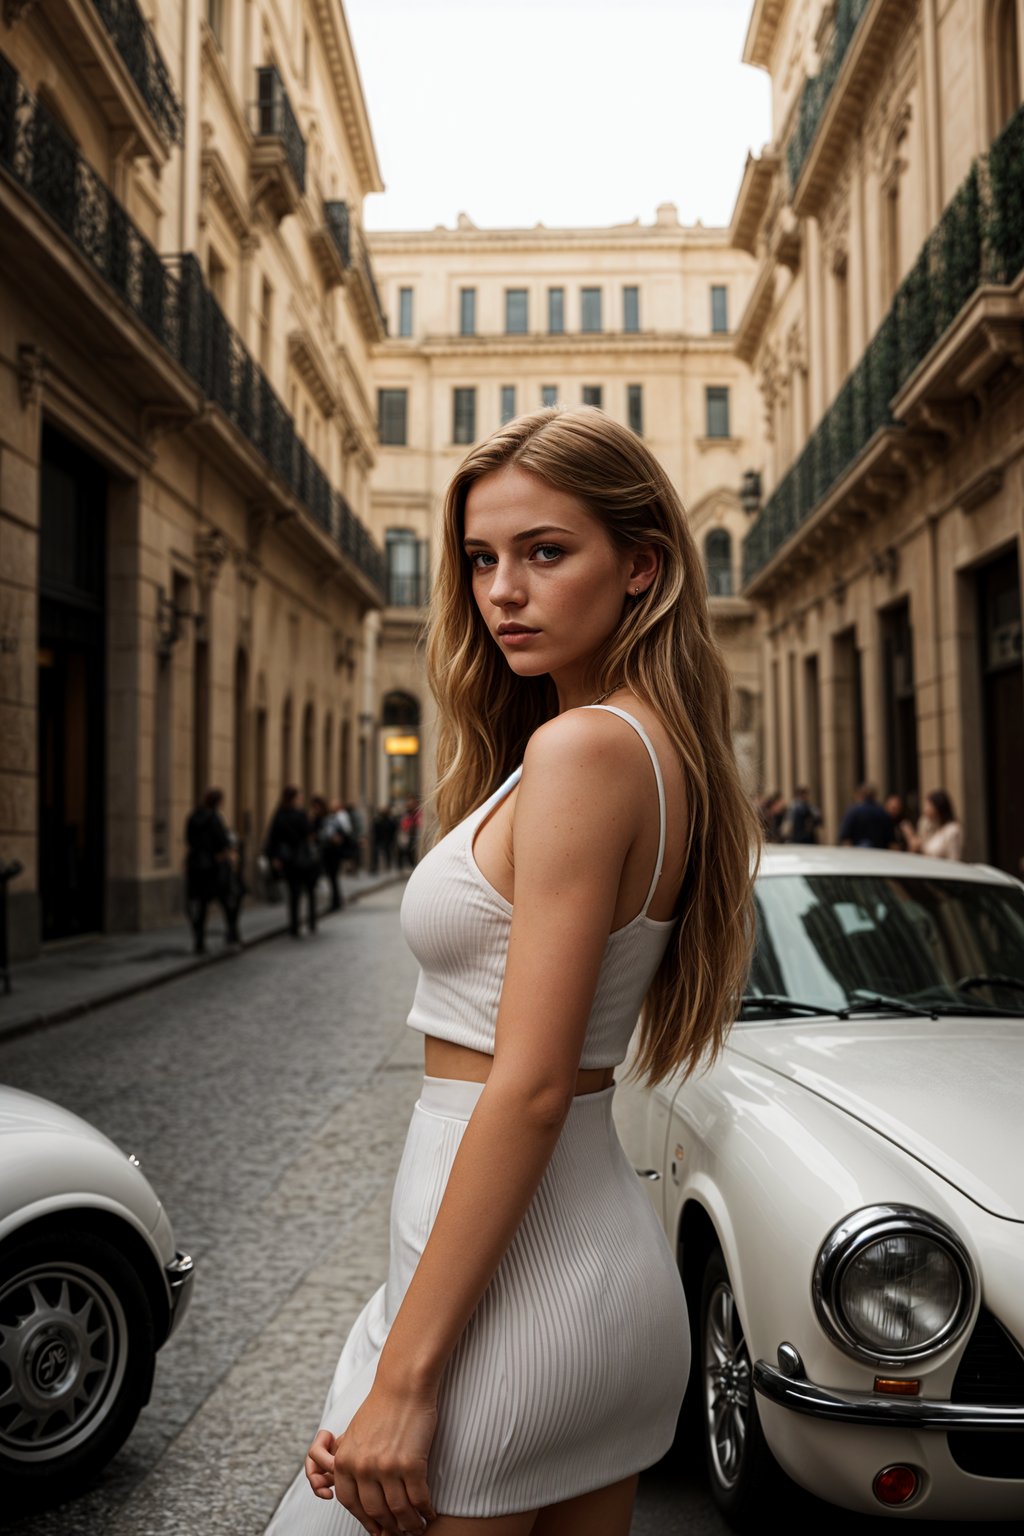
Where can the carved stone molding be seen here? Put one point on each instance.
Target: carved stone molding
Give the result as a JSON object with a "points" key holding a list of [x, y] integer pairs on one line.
{"points": [[211, 551], [33, 364]]}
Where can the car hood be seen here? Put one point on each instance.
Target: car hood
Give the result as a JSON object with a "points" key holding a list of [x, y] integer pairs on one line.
{"points": [[22, 1112], [947, 1091]]}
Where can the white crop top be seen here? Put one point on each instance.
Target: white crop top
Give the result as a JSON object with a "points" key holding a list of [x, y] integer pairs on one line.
{"points": [[457, 925]]}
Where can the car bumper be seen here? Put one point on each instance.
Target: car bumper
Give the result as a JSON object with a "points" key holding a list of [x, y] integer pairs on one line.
{"points": [[789, 1388], [179, 1274]]}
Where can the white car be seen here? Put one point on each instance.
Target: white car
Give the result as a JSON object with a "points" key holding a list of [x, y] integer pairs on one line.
{"points": [[845, 1189], [91, 1285]]}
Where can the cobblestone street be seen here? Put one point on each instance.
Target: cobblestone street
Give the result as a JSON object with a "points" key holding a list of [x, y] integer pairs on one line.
{"points": [[267, 1101]]}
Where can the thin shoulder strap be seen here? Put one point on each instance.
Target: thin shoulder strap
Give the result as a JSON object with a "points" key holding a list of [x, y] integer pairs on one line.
{"points": [[635, 723]]}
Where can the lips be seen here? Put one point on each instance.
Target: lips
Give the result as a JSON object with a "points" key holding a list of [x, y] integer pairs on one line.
{"points": [[516, 629]]}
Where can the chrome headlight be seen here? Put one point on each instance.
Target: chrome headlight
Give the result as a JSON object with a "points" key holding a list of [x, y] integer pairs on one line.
{"points": [[892, 1284]]}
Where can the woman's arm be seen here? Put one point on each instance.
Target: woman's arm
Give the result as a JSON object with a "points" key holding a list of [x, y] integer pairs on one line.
{"points": [[579, 807]]}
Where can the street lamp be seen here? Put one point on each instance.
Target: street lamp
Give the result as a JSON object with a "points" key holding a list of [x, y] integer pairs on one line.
{"points": [[750, 492]]}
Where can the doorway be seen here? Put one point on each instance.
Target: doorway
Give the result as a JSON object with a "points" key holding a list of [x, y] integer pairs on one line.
{"points": [[999, 611], [71, 693]]}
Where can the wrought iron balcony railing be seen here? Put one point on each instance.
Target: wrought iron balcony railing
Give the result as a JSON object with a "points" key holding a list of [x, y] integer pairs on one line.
{"points": [[170, 298], [134, 41], [818, 88], [406, 590], [276, 120], [980, 238], [355, 256]]}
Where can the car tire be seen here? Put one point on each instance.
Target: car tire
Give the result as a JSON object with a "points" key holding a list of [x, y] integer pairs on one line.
{"points": [[742, 1472], [77, 1351]]}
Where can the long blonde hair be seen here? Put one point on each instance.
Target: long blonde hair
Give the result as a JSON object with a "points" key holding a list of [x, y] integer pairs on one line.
{"points": [[665, 653]]}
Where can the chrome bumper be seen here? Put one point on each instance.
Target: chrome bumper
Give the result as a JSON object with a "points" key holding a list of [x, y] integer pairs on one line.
{"points": [[789, 1388], [179, 1274]]}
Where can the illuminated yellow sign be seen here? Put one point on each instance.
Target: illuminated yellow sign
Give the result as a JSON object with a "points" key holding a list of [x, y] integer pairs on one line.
{"points": [[402, 746]]}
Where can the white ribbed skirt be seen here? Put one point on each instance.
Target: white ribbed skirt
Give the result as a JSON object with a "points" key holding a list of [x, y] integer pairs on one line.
{"points": [[570, 1374]]}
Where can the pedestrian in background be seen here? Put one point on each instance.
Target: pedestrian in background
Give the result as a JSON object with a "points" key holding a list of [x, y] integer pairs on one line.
{"points": [[291, 848], [802, 819], [866, 824], [211, 870], [385, 828], [771, 809], [894, 806], [333, 829], [939, 834], [409, 828]]}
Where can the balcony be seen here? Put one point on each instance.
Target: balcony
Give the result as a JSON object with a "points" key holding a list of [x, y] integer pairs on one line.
{"points": [[63, 233], [279, 152], [832, 102], [351, 251], [957, 320], [406, 590], [113, 46]]}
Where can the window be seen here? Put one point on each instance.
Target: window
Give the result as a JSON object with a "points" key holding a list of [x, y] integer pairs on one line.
{"points": [[635, 408], [405, 311], [217, 276], [549, 394], [407, 567], [719, 308], [467, 311], [593, 394], [630, 310], [556, 311], [265, 317], [508, 402], [590, 309], [463, 415], [718, 562], [392, 408], [717, 397], [517, 313]]}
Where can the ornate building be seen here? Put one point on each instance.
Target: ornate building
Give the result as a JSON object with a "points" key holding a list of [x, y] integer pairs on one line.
{"points": [[885, 330], [486, 324], [187, 584]]}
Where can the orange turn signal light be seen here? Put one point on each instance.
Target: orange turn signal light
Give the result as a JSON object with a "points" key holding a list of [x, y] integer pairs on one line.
{"points": [[897, 1386]]}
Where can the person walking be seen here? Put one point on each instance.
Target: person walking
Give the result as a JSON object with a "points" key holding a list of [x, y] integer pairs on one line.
{"points": [[291, 848], [332, 828], [802, 819], [866, 824], [385, 829], [211, 870], [938, 834], [408, 837], [529, 1351]]}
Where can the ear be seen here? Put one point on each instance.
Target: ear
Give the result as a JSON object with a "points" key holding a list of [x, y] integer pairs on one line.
{"points": [[644, 565]]}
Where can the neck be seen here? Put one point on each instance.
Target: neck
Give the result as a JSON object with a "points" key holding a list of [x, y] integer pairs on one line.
{"points": [[576, 691]]}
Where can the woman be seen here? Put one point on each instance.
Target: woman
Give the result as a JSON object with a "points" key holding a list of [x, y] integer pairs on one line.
{"points": [[939, 834], [291, 848], [528, 1354]]}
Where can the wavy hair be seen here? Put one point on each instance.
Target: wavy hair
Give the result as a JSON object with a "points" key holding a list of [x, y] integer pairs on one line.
{"points": [[664, 652]]}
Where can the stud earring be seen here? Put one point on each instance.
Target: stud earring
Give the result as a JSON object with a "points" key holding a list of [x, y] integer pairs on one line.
{"points": [[636, 591]]}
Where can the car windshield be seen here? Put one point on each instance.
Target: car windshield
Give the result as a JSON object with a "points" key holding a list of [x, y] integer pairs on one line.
{"points": [[948, 946]]}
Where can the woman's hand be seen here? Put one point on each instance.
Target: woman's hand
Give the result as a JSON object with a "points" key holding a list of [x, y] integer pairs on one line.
{"points": [[378, 1468]]}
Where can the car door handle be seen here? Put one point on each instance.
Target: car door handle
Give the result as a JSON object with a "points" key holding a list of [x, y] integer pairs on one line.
{"points": [[648, 1173]]}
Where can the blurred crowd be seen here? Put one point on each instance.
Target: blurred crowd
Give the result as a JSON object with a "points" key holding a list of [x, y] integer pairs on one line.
{"points": [[867, 823], [303, 846]]}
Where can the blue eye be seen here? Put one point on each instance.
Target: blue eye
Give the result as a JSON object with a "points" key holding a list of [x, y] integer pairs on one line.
{"points": [[477, 557], [547, 552]]}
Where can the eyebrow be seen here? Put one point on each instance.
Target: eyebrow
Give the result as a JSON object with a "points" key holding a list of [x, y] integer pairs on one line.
{"points": [[517, 538]]}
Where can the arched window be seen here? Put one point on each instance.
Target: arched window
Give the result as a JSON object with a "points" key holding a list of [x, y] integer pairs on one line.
{"points": [[400, 709], [1003, 73], [718, 562], [286, 743], [329, 755]]}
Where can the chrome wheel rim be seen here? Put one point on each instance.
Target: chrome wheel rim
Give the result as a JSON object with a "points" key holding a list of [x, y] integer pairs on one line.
{"points": [[726, 1385], [63, 1352]]}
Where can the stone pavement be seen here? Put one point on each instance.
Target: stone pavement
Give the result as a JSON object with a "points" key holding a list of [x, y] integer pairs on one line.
{"points": [[80, 974]]}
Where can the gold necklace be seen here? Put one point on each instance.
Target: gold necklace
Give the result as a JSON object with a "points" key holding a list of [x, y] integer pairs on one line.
{"points": [[595, 702]]}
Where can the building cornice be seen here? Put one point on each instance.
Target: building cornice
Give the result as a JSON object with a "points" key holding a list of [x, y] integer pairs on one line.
{"points": [[762, 33], [349, 87], [632, 343], [752, 199], [644, 236]]}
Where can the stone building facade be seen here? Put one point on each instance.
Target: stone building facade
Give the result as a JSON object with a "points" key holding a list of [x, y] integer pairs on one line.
{"points": [[188, 586], [885, 331], [486, 324]]}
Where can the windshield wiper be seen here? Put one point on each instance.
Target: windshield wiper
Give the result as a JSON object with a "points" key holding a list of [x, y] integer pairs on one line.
{"points": [[968, 983], [776, 1002], [875, 1002]]}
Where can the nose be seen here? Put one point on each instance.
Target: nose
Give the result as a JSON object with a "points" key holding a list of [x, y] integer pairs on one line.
{"points": [[506, 588]]}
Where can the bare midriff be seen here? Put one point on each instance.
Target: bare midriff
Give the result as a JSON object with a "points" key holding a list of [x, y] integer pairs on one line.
{"points": [[442, 1058]]}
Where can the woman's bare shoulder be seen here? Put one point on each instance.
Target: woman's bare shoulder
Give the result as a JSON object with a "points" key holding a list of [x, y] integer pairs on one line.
{"points": [[587, 750]]}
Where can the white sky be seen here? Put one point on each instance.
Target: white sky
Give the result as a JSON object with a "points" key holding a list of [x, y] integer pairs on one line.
{"points": [[564, 112]]}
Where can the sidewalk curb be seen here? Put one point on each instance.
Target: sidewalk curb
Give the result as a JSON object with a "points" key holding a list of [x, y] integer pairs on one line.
{"points": [[188, 965]]}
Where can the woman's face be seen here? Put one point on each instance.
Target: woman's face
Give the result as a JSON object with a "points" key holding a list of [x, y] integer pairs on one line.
{"points": [[546, 577]]}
